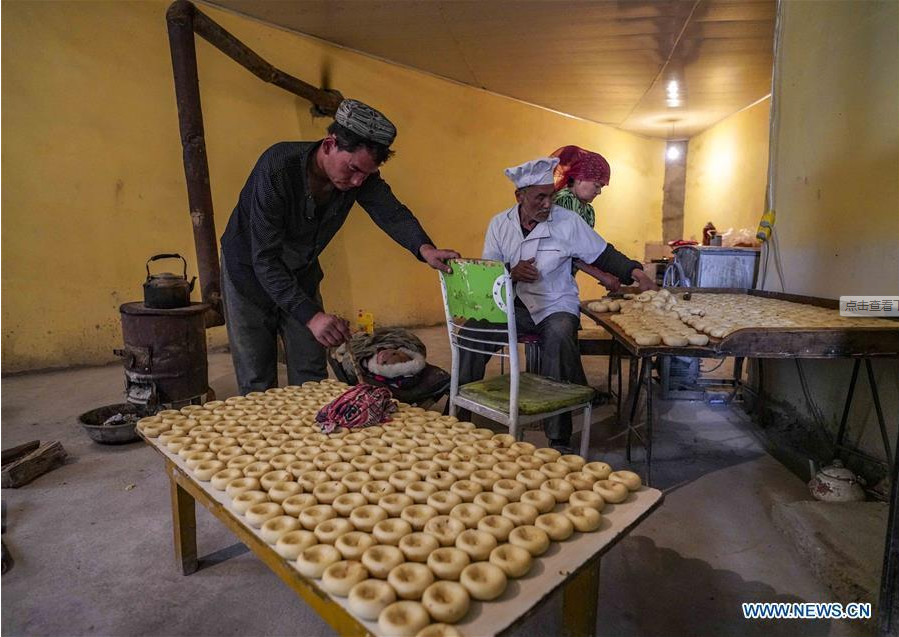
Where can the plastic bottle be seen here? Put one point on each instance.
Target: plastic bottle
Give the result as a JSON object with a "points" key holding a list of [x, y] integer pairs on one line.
{"points": [[708, 232], [365, 321]]}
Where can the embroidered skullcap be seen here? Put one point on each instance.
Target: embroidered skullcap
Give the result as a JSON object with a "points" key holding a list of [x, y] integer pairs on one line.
{"points": [[537, 172], [366, 121]]}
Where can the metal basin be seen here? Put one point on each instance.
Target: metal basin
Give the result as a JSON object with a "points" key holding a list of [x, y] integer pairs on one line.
{"points": [[113, 434]]}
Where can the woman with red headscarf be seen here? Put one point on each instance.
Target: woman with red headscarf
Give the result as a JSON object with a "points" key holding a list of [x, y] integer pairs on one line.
{"points": [[579, 178]]}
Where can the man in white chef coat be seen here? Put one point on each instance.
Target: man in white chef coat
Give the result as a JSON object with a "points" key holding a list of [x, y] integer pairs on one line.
{"points": [[538, 241]]}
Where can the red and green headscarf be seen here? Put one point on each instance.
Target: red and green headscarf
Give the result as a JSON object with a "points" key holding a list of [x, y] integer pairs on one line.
{"points": [[577, 163]]}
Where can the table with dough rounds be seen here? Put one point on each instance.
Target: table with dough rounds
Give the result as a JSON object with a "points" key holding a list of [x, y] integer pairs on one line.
{"points": [[571, 566], [859, 343]]}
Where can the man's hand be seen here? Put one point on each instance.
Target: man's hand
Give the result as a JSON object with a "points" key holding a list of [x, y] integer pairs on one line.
{"points": [[641, 279], [525, 271], [328, 329], [437, 258]]}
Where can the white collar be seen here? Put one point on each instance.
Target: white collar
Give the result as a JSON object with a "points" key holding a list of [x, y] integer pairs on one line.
{"points": [[513, 216]]}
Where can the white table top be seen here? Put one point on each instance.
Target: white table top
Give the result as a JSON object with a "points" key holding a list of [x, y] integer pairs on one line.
{"points": [[549, 571]]}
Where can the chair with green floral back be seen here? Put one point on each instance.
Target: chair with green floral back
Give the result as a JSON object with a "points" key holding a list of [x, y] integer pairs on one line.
{"points": [[482, 290]]}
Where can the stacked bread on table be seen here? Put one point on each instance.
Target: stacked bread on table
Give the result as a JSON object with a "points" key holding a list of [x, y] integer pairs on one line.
{"points": [[410, 519], [670, 318]]}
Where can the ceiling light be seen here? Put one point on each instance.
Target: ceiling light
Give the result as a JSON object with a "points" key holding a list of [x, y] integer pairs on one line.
{"points": [[673, 152], [673, 93]]}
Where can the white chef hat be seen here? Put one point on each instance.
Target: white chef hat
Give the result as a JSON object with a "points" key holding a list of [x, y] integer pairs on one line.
{"points": [[537, 172]]}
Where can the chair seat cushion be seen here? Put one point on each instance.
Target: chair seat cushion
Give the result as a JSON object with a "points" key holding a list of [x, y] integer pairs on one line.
{"points": [[536, 394]]}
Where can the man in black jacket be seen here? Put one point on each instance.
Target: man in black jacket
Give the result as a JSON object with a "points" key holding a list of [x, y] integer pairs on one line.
{"points": [[295, 200]]}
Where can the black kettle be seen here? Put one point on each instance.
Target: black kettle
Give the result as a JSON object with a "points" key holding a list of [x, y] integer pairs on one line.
{"points": [[165, 290]]}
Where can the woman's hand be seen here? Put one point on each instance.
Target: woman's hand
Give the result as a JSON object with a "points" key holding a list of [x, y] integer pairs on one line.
{"points": [[641, 279], [606, 279]]}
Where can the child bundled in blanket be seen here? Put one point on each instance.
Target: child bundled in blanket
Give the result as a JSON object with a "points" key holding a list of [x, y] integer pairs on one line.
{"points": [[390, 356]]}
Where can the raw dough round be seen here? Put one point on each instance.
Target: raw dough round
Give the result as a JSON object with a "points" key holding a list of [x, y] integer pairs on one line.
{"points": [[540, 500], [259, 513], [328, 531], [311, 517], [369, 597], [584, 519], [381, 559], [296, 504], [587, 499], [403, 619], [556, 525], [347, 503], [410, 580], [647, 339], [535, 541], [313, 561], [365, 517], [391, 530], [513, 560], [484, 581], [628, 478], [612, 492], [599, 470], [418, 515], [558, 488], [444, 529], [340, 577], [204, 470], [469, 514], [438, 630], [497, 526], [444, 501], [353, 544], [477, 544], [674, 340], [274, 528], [521, 514], [448, 562], [291, 544], [446, 601], [416, 547]]}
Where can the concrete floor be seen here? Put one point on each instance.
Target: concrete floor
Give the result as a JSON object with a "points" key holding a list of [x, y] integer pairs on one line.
{"points": [[93, 548]]}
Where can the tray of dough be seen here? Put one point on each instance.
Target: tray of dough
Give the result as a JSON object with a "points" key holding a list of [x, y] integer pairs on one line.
{"points": [[422, 525], [719, 322]]}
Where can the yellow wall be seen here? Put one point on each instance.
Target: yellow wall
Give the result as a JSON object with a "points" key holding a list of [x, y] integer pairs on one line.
{"points": [[837, 148], [836, 190], [727, 169], [93, 181]]}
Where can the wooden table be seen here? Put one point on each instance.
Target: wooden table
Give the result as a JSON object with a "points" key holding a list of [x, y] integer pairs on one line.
{"points": [[572, 566], [859, 343]]}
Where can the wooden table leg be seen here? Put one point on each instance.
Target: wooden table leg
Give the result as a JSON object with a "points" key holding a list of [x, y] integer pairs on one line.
{"points": [[184, 525], [579, 602], [647, 381], [633, 398]]}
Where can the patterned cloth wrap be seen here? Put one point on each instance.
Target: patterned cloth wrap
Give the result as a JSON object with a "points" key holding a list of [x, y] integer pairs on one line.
{"points": [[360, 406]]}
